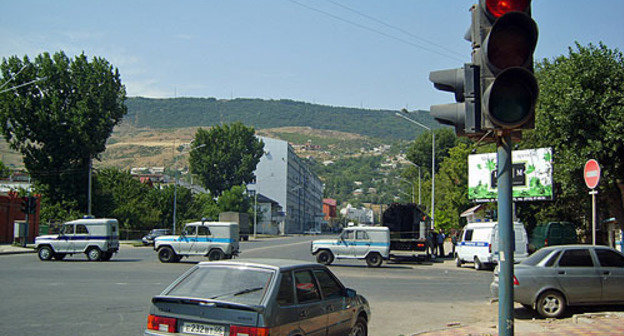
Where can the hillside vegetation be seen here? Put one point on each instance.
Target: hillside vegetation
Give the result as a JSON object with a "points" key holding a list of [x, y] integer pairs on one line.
{"points": [[261, 114]]}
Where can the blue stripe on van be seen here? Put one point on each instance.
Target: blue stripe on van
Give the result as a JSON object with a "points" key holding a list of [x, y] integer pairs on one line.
{"points": [[477, 244], [79, 238], [197, 240], [355, 244]]}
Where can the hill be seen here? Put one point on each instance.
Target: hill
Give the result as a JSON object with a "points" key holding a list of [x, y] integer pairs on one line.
{"points": [[262, 114]]}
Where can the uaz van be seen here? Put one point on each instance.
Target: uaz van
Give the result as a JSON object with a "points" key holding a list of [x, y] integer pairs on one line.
{"points": [[215, 240], [98, 238], [478, 244], [371, 243]]}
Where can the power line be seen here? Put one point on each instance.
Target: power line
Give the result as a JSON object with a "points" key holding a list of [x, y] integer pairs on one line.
{"points": [[375, 31], [395, 28]]}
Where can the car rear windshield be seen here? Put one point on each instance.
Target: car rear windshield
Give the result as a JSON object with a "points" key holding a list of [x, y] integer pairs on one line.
{"points": [[536, 257], [225, 283]]}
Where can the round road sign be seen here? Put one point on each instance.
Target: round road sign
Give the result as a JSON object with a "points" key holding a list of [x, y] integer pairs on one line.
{"points": [[591, 173]]}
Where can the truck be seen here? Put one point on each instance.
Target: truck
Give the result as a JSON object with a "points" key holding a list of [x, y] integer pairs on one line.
{"points": [[409, 229], [244, 225]]}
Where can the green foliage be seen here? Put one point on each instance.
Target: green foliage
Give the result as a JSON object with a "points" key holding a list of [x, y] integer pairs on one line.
{"points": [[167, 113], [118, 195], [204, 206], [235, 200], [581, 115], [58, 212], [225, 156], [420, 150], [61, 120], [4, 170], [452, 188]]}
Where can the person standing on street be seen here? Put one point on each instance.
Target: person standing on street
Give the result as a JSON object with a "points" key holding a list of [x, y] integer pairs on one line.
{"points": [[441, 237]]}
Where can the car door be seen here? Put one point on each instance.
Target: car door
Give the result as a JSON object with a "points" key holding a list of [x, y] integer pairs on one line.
{"points": [[342, 247], [311, 309], [202, 241], [335, 303], [81, 238], [362, 244], [64, 242], [611, 271], [578, 276], [185, 241]]}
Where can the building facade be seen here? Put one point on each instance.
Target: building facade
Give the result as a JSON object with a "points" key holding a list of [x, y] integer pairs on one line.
{"points": [[285, 178]]}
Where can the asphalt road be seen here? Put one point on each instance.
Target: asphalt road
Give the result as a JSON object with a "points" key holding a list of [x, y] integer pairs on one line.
{"points": [[78, 297]]}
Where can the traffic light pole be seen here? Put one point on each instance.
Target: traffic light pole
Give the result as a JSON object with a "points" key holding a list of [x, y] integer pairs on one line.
{"points": [[505, 236]]}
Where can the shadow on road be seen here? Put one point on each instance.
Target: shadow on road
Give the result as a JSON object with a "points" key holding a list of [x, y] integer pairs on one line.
{"points": [[364, 266], [529, 314]]}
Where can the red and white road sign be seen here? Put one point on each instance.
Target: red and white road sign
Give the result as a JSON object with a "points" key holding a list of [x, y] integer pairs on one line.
{"points": [[591, 173]]}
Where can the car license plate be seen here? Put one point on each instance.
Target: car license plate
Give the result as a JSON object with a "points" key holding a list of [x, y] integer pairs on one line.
{"points": [[203, 329]]}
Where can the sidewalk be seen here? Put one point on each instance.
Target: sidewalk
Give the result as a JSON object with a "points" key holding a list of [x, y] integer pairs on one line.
{"points": [[605, 323], [12, 249]]}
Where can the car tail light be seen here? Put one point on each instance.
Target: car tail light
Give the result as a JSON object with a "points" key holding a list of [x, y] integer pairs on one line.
{"points": [[160, 323], [490, 248], [248, 331], [516, 282], [545, 242]]}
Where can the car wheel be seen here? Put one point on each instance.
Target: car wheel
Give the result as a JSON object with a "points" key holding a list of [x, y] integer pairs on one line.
{"points": [[550, 304], [166, 255], [215, 254], [324, 257], [94, 254], [477, 264], [360, 328], [59, 256], [45, 253], [106, 256], [458, 261], [374, 260]]}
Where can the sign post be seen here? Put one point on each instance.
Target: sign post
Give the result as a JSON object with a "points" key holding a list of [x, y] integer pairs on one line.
{"points": [[591, 174]]}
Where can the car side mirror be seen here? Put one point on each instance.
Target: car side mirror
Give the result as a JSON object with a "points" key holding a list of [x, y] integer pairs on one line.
{"points": [[350, 293]]}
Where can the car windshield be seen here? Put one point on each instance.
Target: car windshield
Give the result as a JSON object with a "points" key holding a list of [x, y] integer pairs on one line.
{"points": [[536, 257], [225, 283]]}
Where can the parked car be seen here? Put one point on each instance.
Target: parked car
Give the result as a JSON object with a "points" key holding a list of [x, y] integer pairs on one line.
{"points": [[552, 233], [371, 243], [259, 297], [148, 239], [478, 244], [567, 275], [98, 238]]}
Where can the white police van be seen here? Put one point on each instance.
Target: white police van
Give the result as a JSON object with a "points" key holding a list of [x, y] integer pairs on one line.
{"points": [[478, 244], [371, 243], [215, 240], [98, 238]]}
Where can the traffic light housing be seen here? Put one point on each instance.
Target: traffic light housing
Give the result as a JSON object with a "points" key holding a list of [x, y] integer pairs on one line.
{"points": [[25, 205], [504, 37]]}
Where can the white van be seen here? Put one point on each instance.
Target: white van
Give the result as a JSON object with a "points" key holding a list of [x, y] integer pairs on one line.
{"points": [[215, 240], [371, 243], [98, 238], [478, 244]]}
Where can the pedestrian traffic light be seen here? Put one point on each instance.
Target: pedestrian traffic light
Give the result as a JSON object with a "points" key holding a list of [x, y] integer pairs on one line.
{"points": [[504, 36]]}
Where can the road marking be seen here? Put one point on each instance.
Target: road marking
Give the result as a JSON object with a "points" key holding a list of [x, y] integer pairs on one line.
{"points": [[275, 246]]}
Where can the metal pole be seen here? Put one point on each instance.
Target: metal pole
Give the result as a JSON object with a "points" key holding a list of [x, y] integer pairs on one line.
{"points": [[89, 183], [419, 202], [593, 193], [505, 237], [255, 210], [175, 197], [432, 180]]}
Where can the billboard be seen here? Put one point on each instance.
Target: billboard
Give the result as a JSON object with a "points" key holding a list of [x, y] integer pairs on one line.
{"points": [[531, 176]]}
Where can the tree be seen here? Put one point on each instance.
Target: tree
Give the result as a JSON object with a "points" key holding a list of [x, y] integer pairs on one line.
{"points": [[228, 157], [452, 188], [581, 115], [61, 120], [420, 150], [235, 200], [4, 170]]}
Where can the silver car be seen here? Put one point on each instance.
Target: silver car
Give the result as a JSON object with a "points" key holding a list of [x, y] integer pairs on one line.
{"points": [[258, 298], [555, 277]]}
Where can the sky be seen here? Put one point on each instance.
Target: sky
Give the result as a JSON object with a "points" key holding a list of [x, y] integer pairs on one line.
{"points": [[353, 53]]}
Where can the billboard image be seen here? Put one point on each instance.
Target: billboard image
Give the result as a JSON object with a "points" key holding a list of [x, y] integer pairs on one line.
{"points": [[531, 176]]}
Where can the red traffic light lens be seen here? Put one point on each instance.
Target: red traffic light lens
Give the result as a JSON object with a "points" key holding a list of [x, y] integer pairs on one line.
{"points": [[500, 7]]}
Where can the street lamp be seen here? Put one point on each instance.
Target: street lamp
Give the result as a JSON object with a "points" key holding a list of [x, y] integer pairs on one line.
{"points": [[175, 185], [432, 164], [417, 166]]}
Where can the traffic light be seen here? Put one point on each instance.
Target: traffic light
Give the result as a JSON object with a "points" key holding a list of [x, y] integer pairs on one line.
{"points": [[32, 204], [24, 205], [464, 83], [504, 37]]}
